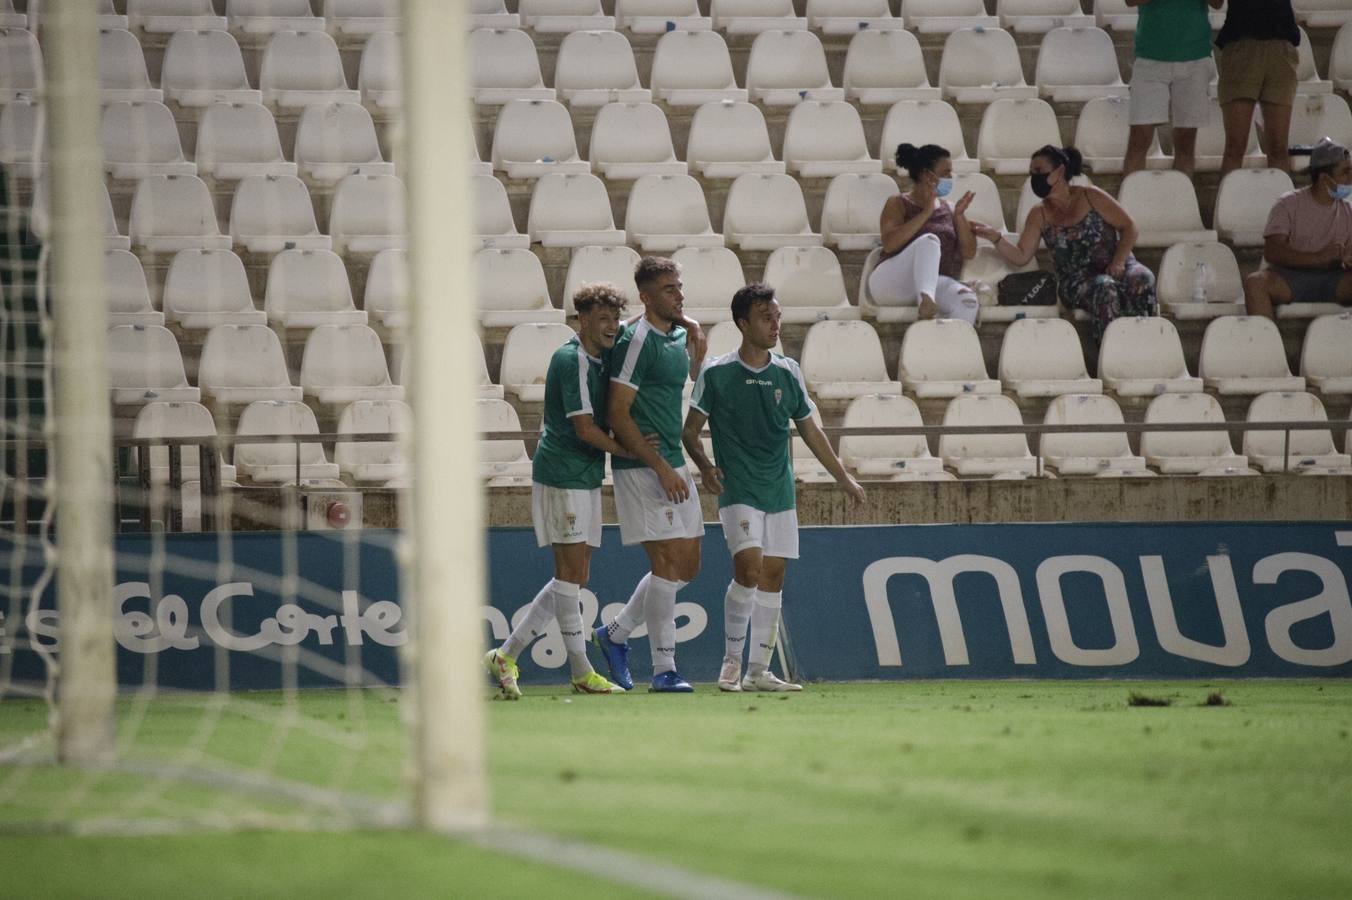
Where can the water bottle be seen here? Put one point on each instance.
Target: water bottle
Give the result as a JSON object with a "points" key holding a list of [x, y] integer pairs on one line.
{"points": [[1201, 273]]}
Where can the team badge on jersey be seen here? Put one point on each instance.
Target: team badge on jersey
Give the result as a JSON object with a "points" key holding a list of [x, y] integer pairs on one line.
{"points": [[779, 395]]}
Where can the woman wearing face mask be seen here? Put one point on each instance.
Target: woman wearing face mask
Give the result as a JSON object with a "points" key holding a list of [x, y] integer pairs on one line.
{"points": [[925, 241], [1090, 237]]}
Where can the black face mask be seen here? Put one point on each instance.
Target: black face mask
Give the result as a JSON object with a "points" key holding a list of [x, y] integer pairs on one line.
{"points": [[1040, 186]]}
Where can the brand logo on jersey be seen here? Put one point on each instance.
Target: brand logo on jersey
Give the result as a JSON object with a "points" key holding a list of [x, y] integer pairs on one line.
{"points": [[762, 382], [779, 395], [745, 526]]}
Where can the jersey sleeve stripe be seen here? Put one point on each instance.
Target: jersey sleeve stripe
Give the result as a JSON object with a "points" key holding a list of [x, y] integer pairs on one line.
{"points": [[631, 354], [583, 393]]}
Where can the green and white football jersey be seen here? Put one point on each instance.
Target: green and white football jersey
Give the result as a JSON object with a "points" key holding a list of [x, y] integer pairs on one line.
{"points": [[575, 384], [749, 412], [655, 365]]}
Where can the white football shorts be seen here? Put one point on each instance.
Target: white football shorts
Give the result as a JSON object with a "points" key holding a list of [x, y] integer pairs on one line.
{"points": [[646, 514], [776, 533], [565, 515]]}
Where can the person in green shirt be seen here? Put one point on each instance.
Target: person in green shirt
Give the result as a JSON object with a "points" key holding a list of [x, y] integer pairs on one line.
{"points": [[748, 398], [1172, 72]]}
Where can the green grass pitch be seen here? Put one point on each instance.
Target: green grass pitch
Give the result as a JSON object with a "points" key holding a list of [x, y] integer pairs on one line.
{"points": [[925, 789]]}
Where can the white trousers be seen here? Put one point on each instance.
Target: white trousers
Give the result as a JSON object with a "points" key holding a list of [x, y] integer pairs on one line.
{"points": [[900, 280]]}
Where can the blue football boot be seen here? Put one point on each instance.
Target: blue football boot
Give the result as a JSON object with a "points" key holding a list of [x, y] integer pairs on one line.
{"points": [[670, 683], [616, 657]]}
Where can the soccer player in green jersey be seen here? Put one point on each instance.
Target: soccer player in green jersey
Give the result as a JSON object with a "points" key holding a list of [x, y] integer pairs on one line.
{"points": [[566, 479], [748, 397]]}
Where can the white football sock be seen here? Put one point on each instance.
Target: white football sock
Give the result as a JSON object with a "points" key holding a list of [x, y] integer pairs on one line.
{"points": [[633, 614], [662, 623], [764, 630], [533, 623], [737, 604], [568, 611]]}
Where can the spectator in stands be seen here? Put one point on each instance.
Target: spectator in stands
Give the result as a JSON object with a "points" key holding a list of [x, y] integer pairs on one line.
{"points": [[925, 241], [1172, 70], [1257, 65], [1090, 237], [1307, 244]]}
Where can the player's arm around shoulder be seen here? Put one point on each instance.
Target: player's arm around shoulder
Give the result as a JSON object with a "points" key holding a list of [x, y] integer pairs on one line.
{"points": [[820, 445]]}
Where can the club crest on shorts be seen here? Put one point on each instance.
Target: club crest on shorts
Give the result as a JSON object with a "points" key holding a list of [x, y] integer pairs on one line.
{"points": [[571, 518], [671, 516], [779, 395], [745, 525]]}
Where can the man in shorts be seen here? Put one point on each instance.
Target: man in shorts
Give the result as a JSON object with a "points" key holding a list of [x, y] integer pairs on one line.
{"points": [[748, 397], [1257, 67], [1172, 72], [1307, 244]]}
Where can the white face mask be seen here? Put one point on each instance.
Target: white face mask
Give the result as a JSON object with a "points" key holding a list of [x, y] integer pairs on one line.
{"points": [[943, 187]]}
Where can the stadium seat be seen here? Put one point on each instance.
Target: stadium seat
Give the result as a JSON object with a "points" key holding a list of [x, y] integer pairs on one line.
{"points": [[729, 138], [168, 16], [882, 67], [1101, 134], [501, 460], [366, 214], [764, 212], [755, 16], [386, 297], [300, 68], [826, 138], [657, 16], [487, 389], [725, 337], [594, 68], [267, 17], [1324, 360], [104, 15], [612, 265], [1164, 207], [786, 67], [667, 212], [1105, 454], [504, 66], [946, 16], [1210, 149], [10, 18], [493, 223], [511, 289], [237, 140], [1291, 451], [534, 137], [361, 17], [806, 467], [337, 139], [23, 137], [1142, 356], [122, 69], [1041, 16], [980, 65], [984, 272], [477, 166], [1244, 355], [205, 67], [985, 455], [851, 16], [206, 288], [1190, 452], [491, 14], [1115, 15], [843, 360], [553, 16], [525, 358], [144, 364], [986, 207], [1210, 267], [921, 122], [280, 462], [1314, 117], [165, 419], [379, 75], [1244, 201], [1340, 59], [174, 212], [809, 285], [942, 358], [1322, 13], [709, 278], [852, 210], [1011, 131], [630, 140], [1307, 74], [345, 363], [691, 68], [272, 212], [888, 457], [1043, 358], [307, 289], [40, 224], [242, 364], [571, 211], [373, 461], [21, 70], [126, 292], [141, 139], [1075, 65]]}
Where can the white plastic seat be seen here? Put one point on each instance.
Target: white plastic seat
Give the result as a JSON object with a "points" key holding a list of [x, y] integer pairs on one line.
{"points": [[280, 462], [122, 68], [265, 17], [477, 166], [825, 138], [9, 18], [40, 224], [1043, 358], [691, 68], [504, 66], [980, 65], [1244, 201], [1244, 355], [630, 140], [141, 139], [755, 16], [1101, 134], [144, 364], [594, 68], [1078, 64], [501, 460], [345, 363], [491, 14], [206, 288], [205, 67], [386, 296], [564, 15], [986, 207], [511, 289], [307, 289], [1012, 130], [361, 17], [921, 122], [1115, 15], [300, 68], [888, 457], [1164, 206], [1209, 153], [725, 337], [1314, 117], [366, 214], [237, 140], [1340, 59], [21, 70], [1105, 454], [242, 364], [852, 210], [174, 212], [843, 360], [1274, 451], [667, 212], [168, 16], [534, 137], [23, 137], [1322, 13], [946, 16], [270, 213], [1307, 74], [612, 265], [882, 67], [1190, 452], [493, 222], [709, 278], [165, 419], [1142, 356], [729, 138], [379, 74], [851, 16], [125, 290], [806, 467], [373, 461], [525, 358], [1041, 16], [785, 67], [765, 212], [1324, 358], [942, 358], [1209, 266], [657, 16], [984, 272], [104, 16], [487, 389], [997, 455], [809, 285], [338, 139], [571, 211]]}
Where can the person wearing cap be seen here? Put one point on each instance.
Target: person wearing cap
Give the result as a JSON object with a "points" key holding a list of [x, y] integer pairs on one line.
{"points": [[1307, 244], [1257, 66]]}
